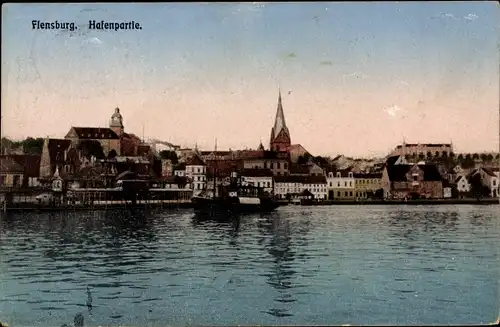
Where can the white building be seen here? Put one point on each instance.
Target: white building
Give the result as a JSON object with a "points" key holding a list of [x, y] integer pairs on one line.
{"points": [[489, 178], [259, 178], [463, 185], [341, 180], [180, 170], [293, 185], [196, 171]]}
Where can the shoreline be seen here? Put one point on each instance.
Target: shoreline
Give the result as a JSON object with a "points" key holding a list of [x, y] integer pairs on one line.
{"points": [[30, 207]]}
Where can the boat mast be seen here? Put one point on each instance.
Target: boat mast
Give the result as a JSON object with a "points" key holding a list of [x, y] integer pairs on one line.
{"points": [[215, 169]]}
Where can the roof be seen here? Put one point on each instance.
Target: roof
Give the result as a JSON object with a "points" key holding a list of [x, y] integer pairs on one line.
{"points": [[257, 172], [180, 166], [195, 161], [9, 165], [430, 145], [143, 150], [367, 175], [175, 179], [279, 122], [397, 173], [392, 160], [300, 179], [95, 133], [57, 148], [489, 171], [431, 173], [306, 193], [299, 169], [29, 162]]}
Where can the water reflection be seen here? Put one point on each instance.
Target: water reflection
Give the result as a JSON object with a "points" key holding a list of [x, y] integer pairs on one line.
{"points": [[397, 265], [281, 273]]}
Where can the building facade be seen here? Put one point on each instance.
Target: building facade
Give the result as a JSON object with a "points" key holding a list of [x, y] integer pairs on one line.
{"points": [[423, 150], [341, 185], [366, 184], [196, 172]]}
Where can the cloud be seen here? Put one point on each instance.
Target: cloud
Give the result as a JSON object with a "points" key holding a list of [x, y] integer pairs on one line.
{"points": [[326, 63], [291, 55], [357, 75], [471, 17], [403, 83], [445, 15], [393, 110], [92, 40]]}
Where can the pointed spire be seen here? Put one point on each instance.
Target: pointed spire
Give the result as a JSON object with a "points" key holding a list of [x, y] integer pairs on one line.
{"points": [[279, 122]]}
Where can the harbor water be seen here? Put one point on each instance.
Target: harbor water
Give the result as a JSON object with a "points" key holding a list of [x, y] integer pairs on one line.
{"points": [[298, 265]]}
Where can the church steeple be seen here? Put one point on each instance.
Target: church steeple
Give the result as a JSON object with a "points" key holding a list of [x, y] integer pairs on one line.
{"points": [[280, 136]]}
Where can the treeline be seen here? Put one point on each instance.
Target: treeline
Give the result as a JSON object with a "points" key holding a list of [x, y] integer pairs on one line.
{"points": [[29, 146]]}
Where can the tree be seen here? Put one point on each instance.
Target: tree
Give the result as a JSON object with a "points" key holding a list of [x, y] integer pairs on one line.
{"points": [[460, 158], [91, 148], [304, 159], [478, 190], [320, 161], [112, 154], [489, 157], [169, 155], [429, 155], [421, 156], [475, 156], [32, 145], [379, 194]]}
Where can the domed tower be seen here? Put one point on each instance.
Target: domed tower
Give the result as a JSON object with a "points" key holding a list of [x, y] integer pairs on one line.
{"points": [[116, 122]]}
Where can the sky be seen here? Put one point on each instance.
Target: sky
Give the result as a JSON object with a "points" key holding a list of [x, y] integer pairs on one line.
{"points": [[355, 78]]}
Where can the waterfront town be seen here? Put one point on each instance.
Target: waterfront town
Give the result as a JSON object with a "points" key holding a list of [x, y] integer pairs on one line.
{"points": [[93, 158]]}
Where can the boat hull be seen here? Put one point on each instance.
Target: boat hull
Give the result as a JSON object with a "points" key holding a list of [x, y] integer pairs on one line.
{"points": [[231, 206]]}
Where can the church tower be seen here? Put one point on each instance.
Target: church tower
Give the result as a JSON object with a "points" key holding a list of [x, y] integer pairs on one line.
{"points": [[116, 122], [280, 136]]}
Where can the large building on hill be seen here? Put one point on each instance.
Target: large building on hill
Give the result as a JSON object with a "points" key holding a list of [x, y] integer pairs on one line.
{"points": [[112, 138], [423, 150]]}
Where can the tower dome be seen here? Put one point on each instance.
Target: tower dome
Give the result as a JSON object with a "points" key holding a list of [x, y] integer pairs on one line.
{"points": [[116, 119]]}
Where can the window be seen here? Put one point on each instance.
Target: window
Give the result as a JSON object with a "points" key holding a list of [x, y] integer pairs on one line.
{"points": [[338, 184], [330, 184], [2, 180], [278, 165], [350, 184], [272, 165], [285, 165], [345, 183], [198, 169], [338, 194], [345, 193], [350, 175], [415, 178], [494, 182], [350, 193], [265, 164], [338, 174]]}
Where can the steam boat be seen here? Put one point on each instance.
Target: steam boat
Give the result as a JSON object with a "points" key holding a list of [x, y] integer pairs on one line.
{"points": [[232, 197]]}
